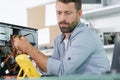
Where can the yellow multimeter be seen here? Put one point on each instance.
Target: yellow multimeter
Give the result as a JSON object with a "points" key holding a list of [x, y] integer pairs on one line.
{"points": [[26, 67]]}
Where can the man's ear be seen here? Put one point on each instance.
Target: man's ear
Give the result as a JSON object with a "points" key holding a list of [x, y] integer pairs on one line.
{"points": [[80, 13]]}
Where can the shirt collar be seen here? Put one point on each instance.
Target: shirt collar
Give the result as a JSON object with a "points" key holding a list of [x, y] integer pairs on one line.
{"points": [[74, 31]]}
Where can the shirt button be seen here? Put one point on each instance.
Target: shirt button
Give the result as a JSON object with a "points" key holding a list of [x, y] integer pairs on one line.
{"points": [[69, 58]]}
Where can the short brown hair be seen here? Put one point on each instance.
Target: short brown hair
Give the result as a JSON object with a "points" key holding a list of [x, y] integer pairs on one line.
{"points": [[78, 3]]}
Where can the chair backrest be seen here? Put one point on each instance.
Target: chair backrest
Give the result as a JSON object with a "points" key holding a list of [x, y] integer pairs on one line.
{"points": [[0, 67], [115, 66]]}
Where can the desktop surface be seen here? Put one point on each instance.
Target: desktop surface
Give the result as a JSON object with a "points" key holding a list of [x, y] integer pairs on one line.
{"points": [[77, 77]]}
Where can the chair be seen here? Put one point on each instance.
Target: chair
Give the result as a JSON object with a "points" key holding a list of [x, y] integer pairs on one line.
{"points": [[115, 66]]}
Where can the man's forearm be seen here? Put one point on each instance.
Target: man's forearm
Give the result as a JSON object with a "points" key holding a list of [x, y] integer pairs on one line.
{"points": [[39, 58]]}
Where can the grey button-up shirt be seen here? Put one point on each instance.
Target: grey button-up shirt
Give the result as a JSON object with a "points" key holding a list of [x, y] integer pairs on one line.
{"points": [[85, 54]]}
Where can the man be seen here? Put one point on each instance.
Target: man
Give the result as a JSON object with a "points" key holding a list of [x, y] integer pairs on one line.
{"points": [[78, 50]]}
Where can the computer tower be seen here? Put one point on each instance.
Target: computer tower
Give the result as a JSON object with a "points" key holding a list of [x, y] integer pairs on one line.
{"points": [[6, 32]]}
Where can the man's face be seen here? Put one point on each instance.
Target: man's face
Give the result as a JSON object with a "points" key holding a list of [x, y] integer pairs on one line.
{"points": [[67, 16]]}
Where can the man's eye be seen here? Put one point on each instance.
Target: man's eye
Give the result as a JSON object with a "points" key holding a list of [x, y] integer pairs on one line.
{"points": [[58, 12], [68, 13]]}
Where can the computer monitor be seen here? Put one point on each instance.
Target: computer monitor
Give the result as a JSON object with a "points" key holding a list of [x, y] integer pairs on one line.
{"points": [[91, 4], [91, 1]]}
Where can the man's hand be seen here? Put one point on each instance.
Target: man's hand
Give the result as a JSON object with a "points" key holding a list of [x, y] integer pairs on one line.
{"points": [[21, 44]]}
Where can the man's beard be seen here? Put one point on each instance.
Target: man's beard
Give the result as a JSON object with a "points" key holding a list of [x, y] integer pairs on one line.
{"points": [[69, 28]]}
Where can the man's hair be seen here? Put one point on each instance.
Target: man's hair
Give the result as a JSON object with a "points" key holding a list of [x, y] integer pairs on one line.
{"points": [[78, 3]]}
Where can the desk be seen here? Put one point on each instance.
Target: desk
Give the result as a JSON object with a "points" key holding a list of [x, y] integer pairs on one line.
{"points": [[78, 77]]}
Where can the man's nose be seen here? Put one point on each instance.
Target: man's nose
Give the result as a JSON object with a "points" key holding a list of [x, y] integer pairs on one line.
{"points": [[63, 17]]}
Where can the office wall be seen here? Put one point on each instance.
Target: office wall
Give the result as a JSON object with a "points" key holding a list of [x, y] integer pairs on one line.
{"points": [[113, 2], [47, 35], [36, 16]]}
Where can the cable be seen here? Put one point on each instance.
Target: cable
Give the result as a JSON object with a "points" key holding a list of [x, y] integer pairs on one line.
{"points": [[32, 37], [25, 36]]}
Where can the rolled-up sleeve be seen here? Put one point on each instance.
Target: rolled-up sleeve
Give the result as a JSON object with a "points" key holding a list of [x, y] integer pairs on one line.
{"points": [[53, 66]]}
